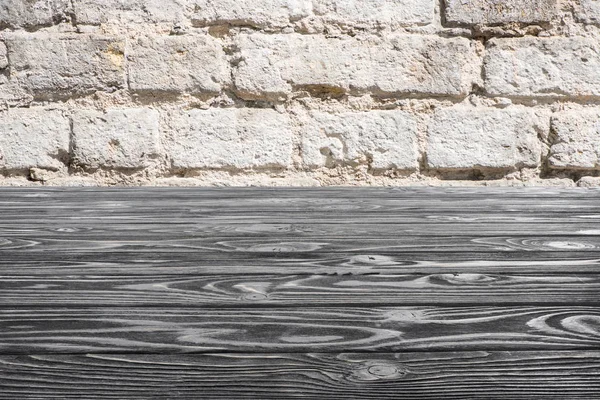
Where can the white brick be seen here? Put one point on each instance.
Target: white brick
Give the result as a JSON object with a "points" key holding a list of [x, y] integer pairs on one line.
{"points": [[588, 11], [231, 138], [375, 13], [190, 64], [66, 65], [32, 137], [272, 66], [543, 67], [577, 141], [385, 139], [119, 138], [257, 13], [96, 12], [32, 13], [12, 94], [499, 11], [3, 56], [464, 137]]}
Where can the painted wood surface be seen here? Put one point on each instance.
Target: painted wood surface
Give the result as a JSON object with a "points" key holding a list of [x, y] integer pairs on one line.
{"points": [[142, 293]]}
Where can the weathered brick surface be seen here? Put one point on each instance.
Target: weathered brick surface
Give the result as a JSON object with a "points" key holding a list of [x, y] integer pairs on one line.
{"points": [[329, 91], [499, 11], [191, 64], [231, 138], [32, 13], [3, 56], [384, 139], [33, 137], [276, 65], [96, 12], [588, 11], [577, 141], [377, 13], [543, 67], [118, 138], [465, 137], [12, 94], [257, 13], [49, 65]]}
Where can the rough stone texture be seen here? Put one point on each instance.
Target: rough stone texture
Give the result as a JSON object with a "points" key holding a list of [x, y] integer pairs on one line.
{"points": [[383, 139], [256, 13], [12, 94], [498, 11], [66, 65], [465, 137], [33, 137], [3, 56], [32, 13], [295, 92], [577, 141], [176, 64], [589, 181], [375, 13], [231, 139], [589, 11], [117, 138], [96, 12], [273, 66], [543, 67]]}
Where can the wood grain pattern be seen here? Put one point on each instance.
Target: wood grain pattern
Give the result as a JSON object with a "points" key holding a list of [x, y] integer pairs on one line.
{"points": [[60, 228], [328, 293], [266, 290], [154, 263], [399, 245], [450, 375], [164, 330]]}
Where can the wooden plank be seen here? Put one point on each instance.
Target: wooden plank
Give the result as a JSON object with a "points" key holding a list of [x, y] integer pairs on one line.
{"points": [[305, 245], [297, 329], [124, 229], [283, 192], [299, 205], [290, 290], [449, 375], [155, 263]]}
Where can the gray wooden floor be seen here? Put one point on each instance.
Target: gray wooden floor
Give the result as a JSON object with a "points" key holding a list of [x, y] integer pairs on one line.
{"points": [[299, 293]]}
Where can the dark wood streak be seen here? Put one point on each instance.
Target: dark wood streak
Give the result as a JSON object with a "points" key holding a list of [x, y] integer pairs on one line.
{"points": [[164, 330], [451, 375], [316, 290]]}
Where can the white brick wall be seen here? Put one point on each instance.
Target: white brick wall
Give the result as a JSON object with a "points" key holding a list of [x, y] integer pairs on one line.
{"points": [[466, 137], [230, 138], [274, 66], [577, 144], [385, 139], [33, 137], [499, 11], [286, 91], [66, 65], [118, 138], [543, 67], [178, 64]]}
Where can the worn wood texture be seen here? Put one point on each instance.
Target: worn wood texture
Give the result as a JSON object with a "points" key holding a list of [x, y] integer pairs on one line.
{"points": [[290, 290], [464, 375], [161, 329], [334, 293]]}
